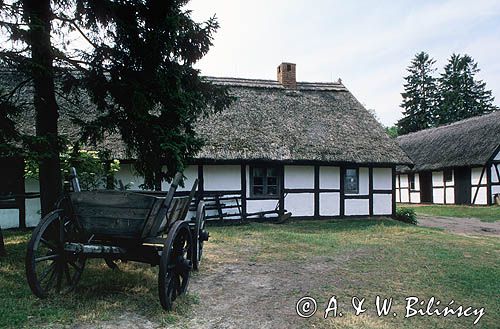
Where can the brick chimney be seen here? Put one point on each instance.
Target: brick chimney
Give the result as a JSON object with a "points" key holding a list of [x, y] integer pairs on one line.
{"points": [[287, 76]]}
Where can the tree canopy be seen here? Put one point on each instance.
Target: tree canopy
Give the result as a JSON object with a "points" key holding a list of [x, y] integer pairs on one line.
{"points": [[456, 95], [420, 95], [135, 61]]}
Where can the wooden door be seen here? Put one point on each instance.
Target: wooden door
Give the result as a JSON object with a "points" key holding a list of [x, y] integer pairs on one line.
{"points": [[462, 185], [425, 179]]}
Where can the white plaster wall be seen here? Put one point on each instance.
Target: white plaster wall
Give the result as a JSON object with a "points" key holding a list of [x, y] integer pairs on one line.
{"points": [[261, 205], [359, 207], [329, 204], [497, 157], [191, 174], [417, 183], [494, 177], [404, 180], [382, 178], [397, 196], [329, 177], [299, 177], [495, 189], [450, 195], [300, 204], [222, 177], [437, 178], [481, 198], [128, 176], [398, 177], [476, 175], [382, 204], [9, 218], [438, 195], [415, 197], [404, 195]]}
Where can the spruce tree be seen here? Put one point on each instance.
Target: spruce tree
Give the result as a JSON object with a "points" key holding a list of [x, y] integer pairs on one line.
{"points": [[419, 96], [462, 95]]}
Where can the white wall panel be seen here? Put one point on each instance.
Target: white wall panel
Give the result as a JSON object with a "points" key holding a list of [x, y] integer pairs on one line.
{"points": [[437, 178], [222, 177], [438, 195], [476, 175], [417, 183], [359, 207], [404, 195], [481, 195], [329, 204], [128, 177], [299, 177], [329, 177], [497, 157], [404, 180], [415, 197], [300, 204], [450, 195], [382, 178], [494, 175], [261, 205], [191, 174], [382, 204]]}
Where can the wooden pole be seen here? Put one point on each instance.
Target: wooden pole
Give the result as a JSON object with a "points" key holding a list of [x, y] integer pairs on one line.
{"points": [[3, 252]]}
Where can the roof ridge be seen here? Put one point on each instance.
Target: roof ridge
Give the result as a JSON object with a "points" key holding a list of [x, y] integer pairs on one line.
{"points": [[456, 123]]}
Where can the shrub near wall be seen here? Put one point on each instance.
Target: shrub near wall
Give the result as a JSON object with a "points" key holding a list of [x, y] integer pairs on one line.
{"points": [[406, 215]]}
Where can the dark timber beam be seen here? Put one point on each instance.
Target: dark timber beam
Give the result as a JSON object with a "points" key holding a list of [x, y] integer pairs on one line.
{"points": [[316, 190], [342, 192], [243, 191], [370, 190]]}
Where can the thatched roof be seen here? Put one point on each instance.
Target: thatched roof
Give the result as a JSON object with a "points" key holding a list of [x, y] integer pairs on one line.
{"points": [[315, 122], [469, 142]]}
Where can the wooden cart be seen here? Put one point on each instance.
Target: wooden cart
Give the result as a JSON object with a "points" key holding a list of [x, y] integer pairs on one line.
{"points": [[117, 225]]}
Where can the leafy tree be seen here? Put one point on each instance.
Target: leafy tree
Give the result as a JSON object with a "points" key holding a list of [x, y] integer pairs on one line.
{"points": [[461, 95], [136, 66], [392, 131], [419, 96]]}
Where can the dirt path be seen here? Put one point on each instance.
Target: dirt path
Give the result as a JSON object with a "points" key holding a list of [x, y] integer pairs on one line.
{"points": [[237, 293], [467, 226]]}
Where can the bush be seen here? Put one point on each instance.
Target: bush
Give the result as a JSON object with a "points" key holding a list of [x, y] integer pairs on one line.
{"points": [[406, 215]]}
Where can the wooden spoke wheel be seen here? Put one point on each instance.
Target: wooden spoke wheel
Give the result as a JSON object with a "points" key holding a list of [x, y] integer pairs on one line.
{"points": [[48, 268], [175, 264], [200, 235]]}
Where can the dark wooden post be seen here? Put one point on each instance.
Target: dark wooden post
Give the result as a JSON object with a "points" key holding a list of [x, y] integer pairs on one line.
{"points": [[3, 252]]}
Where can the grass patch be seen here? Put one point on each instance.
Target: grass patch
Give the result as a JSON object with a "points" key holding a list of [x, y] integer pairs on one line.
{"points": [[372, 257], [101, 294], [485, 214]]}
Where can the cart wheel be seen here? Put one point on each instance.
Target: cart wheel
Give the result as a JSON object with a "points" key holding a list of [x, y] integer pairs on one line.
{"points": [[48, 268], [200, 235], [175, 264]]}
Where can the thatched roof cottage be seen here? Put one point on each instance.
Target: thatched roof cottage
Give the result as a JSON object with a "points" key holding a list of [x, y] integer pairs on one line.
{"points": [[454, 164], [285, 146]]}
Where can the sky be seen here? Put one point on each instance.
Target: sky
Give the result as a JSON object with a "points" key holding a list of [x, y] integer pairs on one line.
{"points": [[368, 44]]}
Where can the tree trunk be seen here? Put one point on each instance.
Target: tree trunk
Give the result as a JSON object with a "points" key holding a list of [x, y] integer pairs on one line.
{"points": [[39, 13], [3, 252]]}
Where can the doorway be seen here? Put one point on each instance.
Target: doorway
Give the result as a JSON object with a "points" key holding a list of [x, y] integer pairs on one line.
{"points": [[462, 185], [425, 179]]}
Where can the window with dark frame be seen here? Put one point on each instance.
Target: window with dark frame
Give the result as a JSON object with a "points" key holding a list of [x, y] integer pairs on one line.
{"points": [[448, 175], [264, 182], [411, 178], [351, 181]]}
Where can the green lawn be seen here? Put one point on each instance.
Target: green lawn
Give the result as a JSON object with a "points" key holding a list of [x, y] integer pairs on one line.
{"points": [[384, 257], [486, 214]]}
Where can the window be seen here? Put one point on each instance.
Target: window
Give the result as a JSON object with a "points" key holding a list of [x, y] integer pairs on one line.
{"points": [[411, 178], [351, 181], [448, 175], [288, 67], [264, 182]]}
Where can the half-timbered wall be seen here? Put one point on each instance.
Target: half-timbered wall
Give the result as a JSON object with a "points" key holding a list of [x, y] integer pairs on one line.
{"points": [[495, 177], [309, 191], [479, 195]]}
